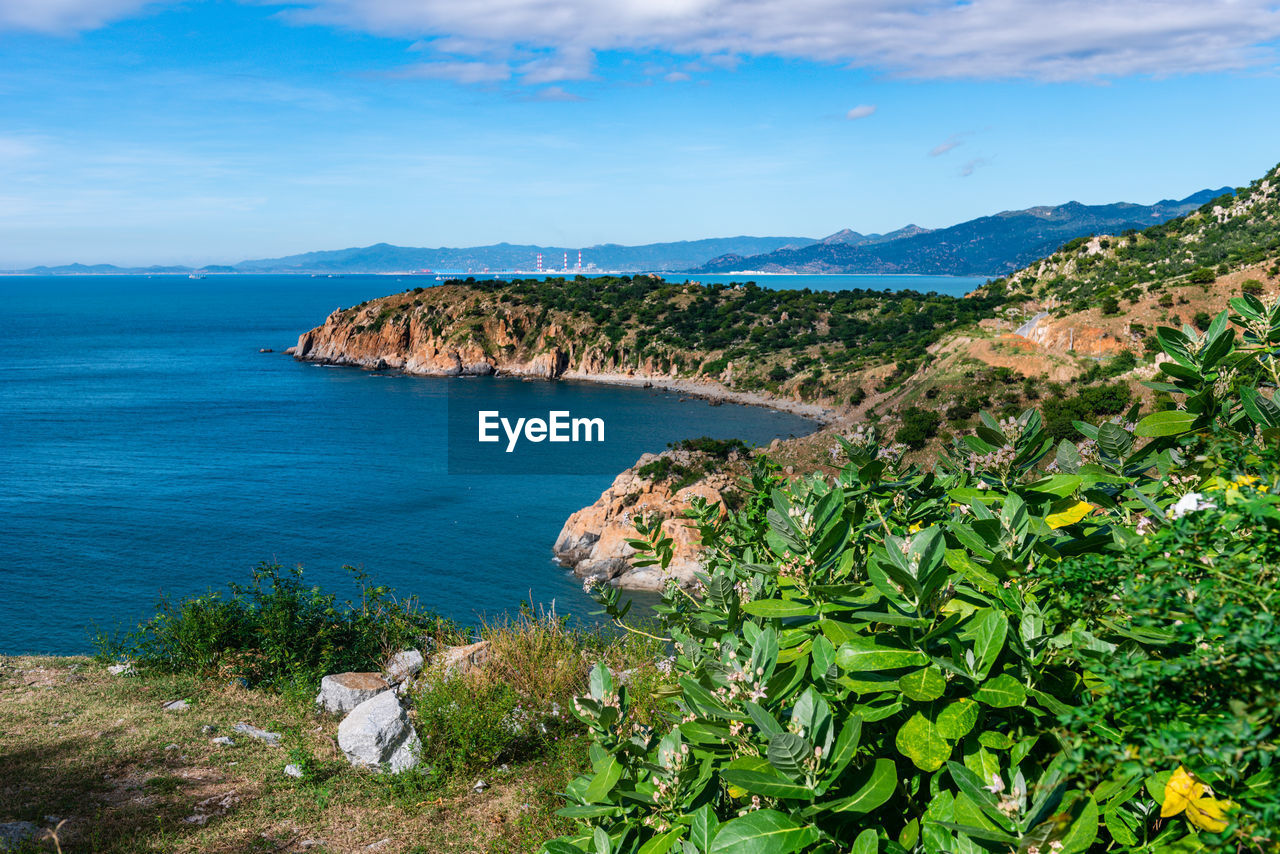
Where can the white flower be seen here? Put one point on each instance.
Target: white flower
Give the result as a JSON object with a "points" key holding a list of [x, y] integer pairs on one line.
{"points": [[997, 785], [1190, 503]]}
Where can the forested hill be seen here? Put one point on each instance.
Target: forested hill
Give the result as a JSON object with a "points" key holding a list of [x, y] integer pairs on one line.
{"points": [[1234, 230], [801, 345], [989, 245]]}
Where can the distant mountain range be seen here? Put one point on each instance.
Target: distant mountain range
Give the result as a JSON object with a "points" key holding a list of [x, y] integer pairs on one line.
{"points": [[987, 246], [990, 245]]}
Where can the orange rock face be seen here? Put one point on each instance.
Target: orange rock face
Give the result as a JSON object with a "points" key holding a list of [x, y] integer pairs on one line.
{"points": [[593, 542]]}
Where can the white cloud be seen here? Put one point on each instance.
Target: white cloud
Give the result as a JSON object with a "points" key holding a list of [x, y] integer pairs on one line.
{"points": [[458, 71], [973, 166], [989, 39], [953, 141], [860, 112], [62, 17], [555, 93], [677, 77]]}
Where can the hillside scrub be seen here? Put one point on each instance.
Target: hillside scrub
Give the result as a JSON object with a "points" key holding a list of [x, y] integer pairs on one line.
{"points": [[799, 342], [1034, 645], [1232, 231]]}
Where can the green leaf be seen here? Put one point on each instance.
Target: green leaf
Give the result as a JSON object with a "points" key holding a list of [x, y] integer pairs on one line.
{"points": [[1177, 345], [846, 745], [787, 752], [994, 740], [766, 784], [1002, 692], [583, 811], [765, 722], [1117, 822], [923, 685], [702, 830], [1170, 423], [603, 845], [867, 842], [956, 720], [875, 789], [1083, 830], [662, 843], [762, 832], [874, 653], [988, 629], [560, 846], [604, 781], [601, 682], [921, 742], [1114, 440], [771, 608]]}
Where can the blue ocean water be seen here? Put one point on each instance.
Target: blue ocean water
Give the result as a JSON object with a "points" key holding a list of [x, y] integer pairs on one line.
{"points": [[148, 448], [953, 286]]}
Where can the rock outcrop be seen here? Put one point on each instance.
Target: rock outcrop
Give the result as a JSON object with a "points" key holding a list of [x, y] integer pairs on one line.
{"points": [[377, 734], [342, 692], [593, 542], [390, 334], [403, 666]]}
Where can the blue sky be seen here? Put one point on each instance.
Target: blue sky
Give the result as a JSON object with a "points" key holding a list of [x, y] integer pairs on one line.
{"points": [[211, 131]]}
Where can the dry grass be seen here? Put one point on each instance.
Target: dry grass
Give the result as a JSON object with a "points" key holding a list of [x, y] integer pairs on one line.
{"points": [[97, 753]]}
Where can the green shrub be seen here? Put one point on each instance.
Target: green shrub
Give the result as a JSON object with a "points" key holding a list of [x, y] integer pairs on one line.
{"points": [[275, 631], [1037, 646]]}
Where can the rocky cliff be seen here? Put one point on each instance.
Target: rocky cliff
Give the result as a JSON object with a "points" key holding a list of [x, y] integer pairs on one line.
{"points": [[436, 334], [593, 542]]}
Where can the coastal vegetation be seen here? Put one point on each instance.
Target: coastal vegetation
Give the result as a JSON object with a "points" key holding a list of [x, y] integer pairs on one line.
{"points": [[802, 343], [1032, 645], [1000, 608]]}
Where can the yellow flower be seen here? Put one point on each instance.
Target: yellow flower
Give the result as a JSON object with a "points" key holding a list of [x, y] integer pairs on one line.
{"points": [[1246, 480], [1184, 792], [914, 529], [1070, 515]]}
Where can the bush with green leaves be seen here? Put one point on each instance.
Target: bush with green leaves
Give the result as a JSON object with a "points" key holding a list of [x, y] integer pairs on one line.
{"points": [[1012, 651], [277, 631]]}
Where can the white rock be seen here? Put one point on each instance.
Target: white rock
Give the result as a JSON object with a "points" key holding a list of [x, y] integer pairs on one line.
{"points": [[272, 738], [479, 786], [177, 706], [224, 741], [292, 770], [342, 692], [124, 669], [377, 734], [172, 747], [403, 666]]}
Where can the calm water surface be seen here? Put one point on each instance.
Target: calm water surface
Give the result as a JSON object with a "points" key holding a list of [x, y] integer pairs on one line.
{"points": [[147, 448]]}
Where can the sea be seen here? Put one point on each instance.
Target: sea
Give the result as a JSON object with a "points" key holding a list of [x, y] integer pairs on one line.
{"points": [[149, 450]]}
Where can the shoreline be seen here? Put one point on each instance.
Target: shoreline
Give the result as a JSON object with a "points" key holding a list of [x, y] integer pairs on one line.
{"points": [[700, 388], [712, 391]]}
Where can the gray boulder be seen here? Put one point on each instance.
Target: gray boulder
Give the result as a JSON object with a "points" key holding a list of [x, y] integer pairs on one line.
{"points": [[342, 692], [403, 666], [13, 834], [377, 734]]}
